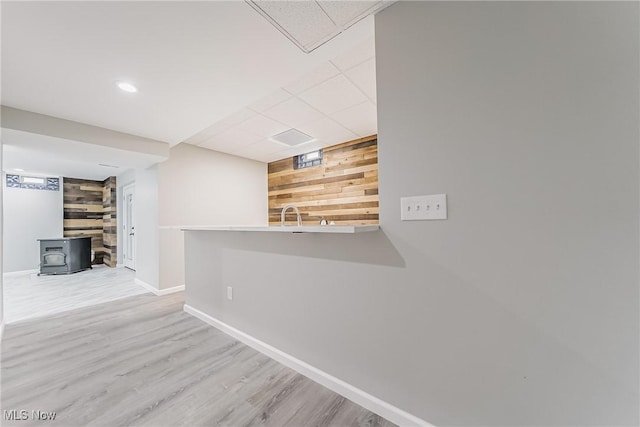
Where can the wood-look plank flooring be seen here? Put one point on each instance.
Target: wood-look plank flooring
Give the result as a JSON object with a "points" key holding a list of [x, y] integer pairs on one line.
{"points": [[143, 361], [29, 295]]}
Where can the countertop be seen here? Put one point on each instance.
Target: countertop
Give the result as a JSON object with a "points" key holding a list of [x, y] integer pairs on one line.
{"points": [[336, 229]]}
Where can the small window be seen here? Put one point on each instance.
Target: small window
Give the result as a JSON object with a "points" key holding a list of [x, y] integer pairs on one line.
{"points": [[307, 160], [33, 182]]}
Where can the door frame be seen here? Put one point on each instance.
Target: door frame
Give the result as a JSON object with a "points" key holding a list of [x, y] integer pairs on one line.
{"points": [[128, 226]]}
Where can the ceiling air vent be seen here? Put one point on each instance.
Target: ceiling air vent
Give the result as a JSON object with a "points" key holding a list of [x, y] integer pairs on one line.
{"points": [[292, 138]]}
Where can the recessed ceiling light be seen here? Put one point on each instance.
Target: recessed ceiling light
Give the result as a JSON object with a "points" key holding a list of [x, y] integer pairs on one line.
{"points": [[18, 170], [127, 87], [292, 137]]}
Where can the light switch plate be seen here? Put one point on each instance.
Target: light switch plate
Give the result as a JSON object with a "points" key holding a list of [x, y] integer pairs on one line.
{"points": [[418, 208]]}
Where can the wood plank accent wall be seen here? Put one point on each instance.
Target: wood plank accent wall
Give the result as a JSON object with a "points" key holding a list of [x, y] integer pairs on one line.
{"points": [[344, 189], [109, 230], [84, 215]]}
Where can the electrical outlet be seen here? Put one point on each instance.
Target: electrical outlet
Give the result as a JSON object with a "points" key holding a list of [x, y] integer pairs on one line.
{"points": [[229, 293], [418, 208]]}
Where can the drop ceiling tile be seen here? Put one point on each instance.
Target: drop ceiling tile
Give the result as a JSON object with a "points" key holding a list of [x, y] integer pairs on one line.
{"points": [[253, 156], [305, 21], [317, 76], [259, 150], [212, 145], [280, 156], [357, 55], [261, 126], [333, 95], [237, 117], [328, 132], [270, 100], [345, 12], [361, 119], [268, 158], [196, 139], [206, 134], [221, 126], [364, 76], [203, 135], [293, 113], [230, 140]]}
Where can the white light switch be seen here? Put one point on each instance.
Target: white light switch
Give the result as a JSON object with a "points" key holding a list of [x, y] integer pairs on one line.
{"points": [[229, 293], [418, 208]]}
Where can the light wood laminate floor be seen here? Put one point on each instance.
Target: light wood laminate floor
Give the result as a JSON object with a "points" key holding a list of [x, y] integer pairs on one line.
{"points": [[143, 361], [28, 295]]}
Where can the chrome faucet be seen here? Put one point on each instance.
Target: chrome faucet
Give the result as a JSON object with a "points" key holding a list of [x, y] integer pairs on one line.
{"points": [[284, 211]]}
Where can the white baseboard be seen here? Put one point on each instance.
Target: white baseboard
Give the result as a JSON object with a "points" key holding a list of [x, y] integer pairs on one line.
{"points": [[170, 290], [362, 398], [156, 291], [20, 273], [146, 286]]}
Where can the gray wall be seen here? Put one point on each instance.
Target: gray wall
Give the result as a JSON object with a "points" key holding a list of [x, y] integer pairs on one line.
{"points": [[146, 211], [526, 114], [522, 307], [29, 215], [1, 252]]}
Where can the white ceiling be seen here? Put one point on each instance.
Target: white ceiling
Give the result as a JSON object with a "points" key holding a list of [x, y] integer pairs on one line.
{"points": [[334, 103], [310, 24], [46, 155], [201, 67]]}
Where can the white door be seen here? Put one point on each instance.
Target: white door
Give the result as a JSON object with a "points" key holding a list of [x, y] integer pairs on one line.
{"points": [[129, 228]]}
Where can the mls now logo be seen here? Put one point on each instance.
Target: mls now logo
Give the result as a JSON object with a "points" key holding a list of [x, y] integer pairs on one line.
{"points": [[43, 416], [16, 415], [23, 415]]}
